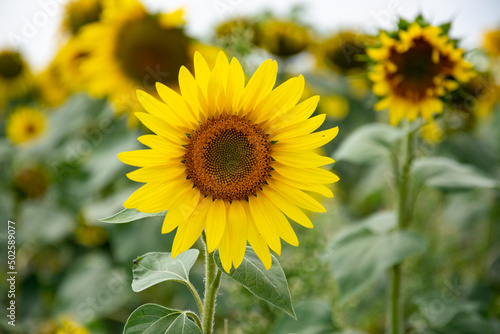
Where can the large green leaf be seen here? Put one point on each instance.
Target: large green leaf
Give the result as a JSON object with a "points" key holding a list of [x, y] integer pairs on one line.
{"points": [[269, 285], [361, 253], [153, 268], [447, 174], [368, 143], [129, 215], [313, 317], [156, 319]]}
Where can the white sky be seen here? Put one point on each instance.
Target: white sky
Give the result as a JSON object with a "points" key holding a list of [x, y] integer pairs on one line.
{"points": [[37, 21]]}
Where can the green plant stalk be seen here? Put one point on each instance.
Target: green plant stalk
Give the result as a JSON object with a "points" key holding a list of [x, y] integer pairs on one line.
{"points": [[396, 301], [212, 282]]}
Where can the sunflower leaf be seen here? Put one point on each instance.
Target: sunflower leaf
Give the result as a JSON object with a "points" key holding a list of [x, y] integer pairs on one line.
{"points": [[269, 285], [153, 318], [129, 215], [447, 174], [154, 268], [360, 254], [368, 143]]}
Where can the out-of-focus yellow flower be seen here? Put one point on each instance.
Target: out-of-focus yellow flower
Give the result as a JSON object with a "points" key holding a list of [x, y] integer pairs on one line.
{"points": [[70, 58], [91, 236], [473, 101], [25, 124], [414, 69], [32, 182], [65, 325], [79, 13], [51, 88], [334, 106], [16, 79], [132, 49], [343, 52], [432, 132], [283, 38], [491, 42], [239, 35]]}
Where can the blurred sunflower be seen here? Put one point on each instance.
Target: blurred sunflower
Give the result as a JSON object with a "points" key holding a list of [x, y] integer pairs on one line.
{"points": [[70, 58], [239, 35], [16, 79], [491, 42], [344, 52], [130, 49], [334, 106], [24, 124], [473, 101], [50, 85], [230, 158], [32, 182], [64, 325], [79, 13], [432, 132], [414, 69], [283, 38]]}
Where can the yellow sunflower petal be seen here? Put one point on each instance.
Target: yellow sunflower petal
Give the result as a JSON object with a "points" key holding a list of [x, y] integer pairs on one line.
{"points": [[181, 213], [216, 224], [287, 208], [237, 221], [260, 85], [143, 158], [259, 245], [264, 224]]}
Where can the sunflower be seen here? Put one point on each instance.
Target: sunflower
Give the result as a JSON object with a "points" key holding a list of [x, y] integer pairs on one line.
{"points": [[432, 132], [414, 69], [131, 49], [344, 52], [50, 85], [24, 124], [473, 101], [283, 38], [16, 79], [491, 42], [79, 13], [239, 35], [231, 159], [70, 58]]}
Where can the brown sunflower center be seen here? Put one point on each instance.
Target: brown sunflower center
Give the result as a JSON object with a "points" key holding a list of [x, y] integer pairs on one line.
{"points": [[346, 56], [416, 69], [149, 53], [11, 65], [228, 158]]}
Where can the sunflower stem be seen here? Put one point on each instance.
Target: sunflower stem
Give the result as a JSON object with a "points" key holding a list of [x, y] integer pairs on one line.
{"points": [[396, 301], [212, 282]]}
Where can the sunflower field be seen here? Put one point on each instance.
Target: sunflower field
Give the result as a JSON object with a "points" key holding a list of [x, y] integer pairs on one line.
{"points": [[231, 167]]}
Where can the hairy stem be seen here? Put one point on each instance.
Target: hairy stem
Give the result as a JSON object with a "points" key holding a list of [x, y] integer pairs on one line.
{"points": [[212, 282]]}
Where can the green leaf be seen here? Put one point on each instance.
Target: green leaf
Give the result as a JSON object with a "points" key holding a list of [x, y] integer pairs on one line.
{"points": [[363, 252], [403, 24], [445, 28], [156, 319], [129, 215], [269, 285], [153, 268], [368, 143], [447, 174], [313, 317]]}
